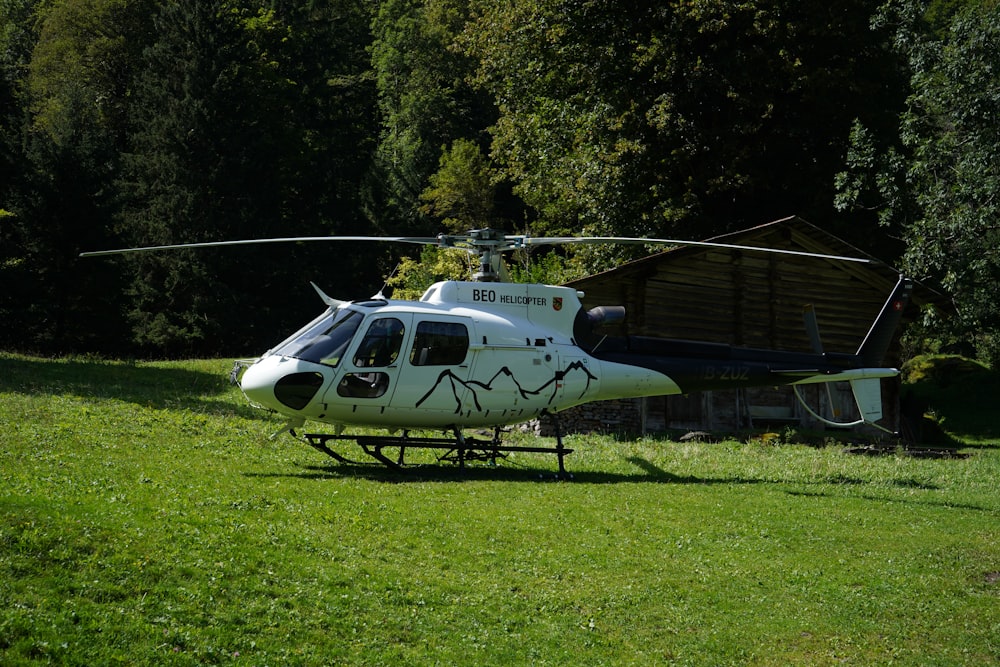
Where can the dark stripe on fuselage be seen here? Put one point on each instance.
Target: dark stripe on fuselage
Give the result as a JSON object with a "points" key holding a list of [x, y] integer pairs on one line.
{"points": [[697, 366]]}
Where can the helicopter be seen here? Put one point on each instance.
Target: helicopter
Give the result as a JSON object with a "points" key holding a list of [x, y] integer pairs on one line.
{"points": [[487, 353]]}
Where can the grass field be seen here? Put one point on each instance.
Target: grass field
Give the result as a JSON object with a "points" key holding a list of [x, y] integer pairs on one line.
{"points": [[147, 519]]}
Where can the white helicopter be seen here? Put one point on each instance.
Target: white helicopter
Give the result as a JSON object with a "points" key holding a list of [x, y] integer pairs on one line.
{"points": [[490, 353]]}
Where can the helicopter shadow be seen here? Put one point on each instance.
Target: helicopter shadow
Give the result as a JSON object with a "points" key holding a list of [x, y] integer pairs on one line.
{"points": [[648, 473]]}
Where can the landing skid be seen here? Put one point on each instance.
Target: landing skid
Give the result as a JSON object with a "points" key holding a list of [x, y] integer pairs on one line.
{"points": [[457, 449]]}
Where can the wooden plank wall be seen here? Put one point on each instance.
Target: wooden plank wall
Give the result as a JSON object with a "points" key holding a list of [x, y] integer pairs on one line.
{"points": [[743, 298]]}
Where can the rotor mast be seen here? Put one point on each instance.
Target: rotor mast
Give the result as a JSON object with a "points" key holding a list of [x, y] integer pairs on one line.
{"points": [[489, 245]]}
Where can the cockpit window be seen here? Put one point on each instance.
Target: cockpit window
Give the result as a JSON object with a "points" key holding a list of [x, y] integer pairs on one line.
{"points": [[326, 341]]}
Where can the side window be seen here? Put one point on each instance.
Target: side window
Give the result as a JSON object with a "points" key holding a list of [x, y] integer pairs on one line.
{"points": [[380, 346], [439, 344]]}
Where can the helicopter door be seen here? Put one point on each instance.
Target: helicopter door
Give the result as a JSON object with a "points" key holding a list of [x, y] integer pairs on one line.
{"points": [[434, 374], [517, 381], [371, 372]]}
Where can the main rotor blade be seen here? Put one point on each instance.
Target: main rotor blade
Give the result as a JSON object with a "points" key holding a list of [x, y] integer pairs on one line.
{"points": [[499, 243], [582, 240], [429, 240]]}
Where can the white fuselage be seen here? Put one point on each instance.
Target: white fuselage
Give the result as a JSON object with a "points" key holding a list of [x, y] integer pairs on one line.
{"points": [[465, 355]]}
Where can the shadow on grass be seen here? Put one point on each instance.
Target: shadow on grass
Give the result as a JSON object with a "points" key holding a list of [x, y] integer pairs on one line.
{"points": [[142, 384], [446, 472], [951, 401], [650, 474], [907, 500]]}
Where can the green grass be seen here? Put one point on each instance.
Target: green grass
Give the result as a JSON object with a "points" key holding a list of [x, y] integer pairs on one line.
{"points": [[147, 519]]}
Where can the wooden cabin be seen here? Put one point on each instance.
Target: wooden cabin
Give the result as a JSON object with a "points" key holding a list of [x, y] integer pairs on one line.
{"points": [[747, 299]]}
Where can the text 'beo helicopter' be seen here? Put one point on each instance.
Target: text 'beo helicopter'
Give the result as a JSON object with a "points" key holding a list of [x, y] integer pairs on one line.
{"points": [[489, 353]]}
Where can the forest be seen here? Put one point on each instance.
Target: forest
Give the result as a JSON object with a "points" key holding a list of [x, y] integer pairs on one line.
{"points": [[144, 122]]}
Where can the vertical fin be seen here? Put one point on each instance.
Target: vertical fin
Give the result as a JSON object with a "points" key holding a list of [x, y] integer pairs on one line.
{"points": [[812, 328], [868, 396], [816, 341], [876, 343]]}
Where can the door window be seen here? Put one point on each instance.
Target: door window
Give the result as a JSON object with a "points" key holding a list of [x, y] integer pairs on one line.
{"points": [[378, 349], [380, 346]]}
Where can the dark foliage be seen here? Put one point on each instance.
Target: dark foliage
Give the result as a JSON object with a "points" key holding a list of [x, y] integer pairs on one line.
{"points": [[136, 122]]}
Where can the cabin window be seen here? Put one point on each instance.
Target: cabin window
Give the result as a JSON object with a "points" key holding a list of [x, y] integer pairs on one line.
{"points": [[440, 344], [380, 346]]}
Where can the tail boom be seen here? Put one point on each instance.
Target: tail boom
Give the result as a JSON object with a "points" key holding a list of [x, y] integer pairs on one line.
{"points": [[633, 366], [647, 376]]}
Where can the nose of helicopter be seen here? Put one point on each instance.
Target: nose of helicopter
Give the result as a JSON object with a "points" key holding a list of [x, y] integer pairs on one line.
{"points": [[280, 384], [258, 383]]}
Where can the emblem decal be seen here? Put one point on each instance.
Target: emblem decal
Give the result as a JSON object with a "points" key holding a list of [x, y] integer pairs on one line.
{"points": [[557, 303]]}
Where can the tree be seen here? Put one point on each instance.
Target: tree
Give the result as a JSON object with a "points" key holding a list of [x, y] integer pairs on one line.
{"points": [[938, 183], [16, 39], [65, 142], [80, 70], [462, 191], [203, 164], [230, 119], [249, 122], [413, 276], [424, 101], [676, 118], [320, 53]]}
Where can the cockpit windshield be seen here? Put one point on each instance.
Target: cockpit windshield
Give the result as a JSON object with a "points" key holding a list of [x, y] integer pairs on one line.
{"points": [[326, 340]]}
